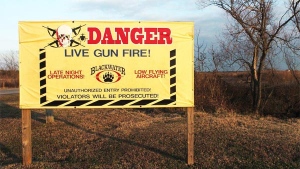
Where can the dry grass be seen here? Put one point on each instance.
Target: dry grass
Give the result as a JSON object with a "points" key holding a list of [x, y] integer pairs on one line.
{"points": [[147, 138], [231, 91]]}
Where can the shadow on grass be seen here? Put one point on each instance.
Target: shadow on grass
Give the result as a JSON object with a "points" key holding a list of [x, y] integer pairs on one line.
{"points": [[129, 142], [7, 111], [12, 158], [12, 111]]}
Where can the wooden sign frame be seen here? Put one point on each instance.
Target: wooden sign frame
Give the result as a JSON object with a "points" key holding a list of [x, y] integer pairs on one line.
{"points": [[164, 51]]}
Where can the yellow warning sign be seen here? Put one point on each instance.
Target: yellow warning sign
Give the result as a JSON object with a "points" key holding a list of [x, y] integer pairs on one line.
{"points": [[92, 64]]}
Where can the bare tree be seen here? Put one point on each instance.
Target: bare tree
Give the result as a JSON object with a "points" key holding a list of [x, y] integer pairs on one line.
{"points": [[200, 54], [255, 24], [292, 62], [237, 51], [207, 59], [291, 47], [10, 61], [10, 67], [217, 59]]}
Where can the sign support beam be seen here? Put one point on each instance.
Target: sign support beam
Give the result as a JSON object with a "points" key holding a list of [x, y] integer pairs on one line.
{"points": [[190, 121], [26, 137], [49, 116]]}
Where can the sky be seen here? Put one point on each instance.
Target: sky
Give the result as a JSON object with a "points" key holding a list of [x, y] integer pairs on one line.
{"points": [[210, 21]]}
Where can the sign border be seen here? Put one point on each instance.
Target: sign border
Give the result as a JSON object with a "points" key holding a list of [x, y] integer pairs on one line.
{"points": [[138, 103]]}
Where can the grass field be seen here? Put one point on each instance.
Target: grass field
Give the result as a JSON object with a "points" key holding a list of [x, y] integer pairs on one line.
{"points": [[147, 138]]}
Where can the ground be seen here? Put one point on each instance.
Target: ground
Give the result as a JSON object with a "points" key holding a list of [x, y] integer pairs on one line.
{"points": [[147, 138]]}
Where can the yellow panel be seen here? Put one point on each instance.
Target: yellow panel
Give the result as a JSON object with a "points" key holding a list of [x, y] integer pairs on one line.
{"points": [[92, 64]]}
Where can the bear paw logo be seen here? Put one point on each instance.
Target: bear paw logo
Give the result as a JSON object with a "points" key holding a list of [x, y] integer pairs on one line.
{"points": [[108, 77]]}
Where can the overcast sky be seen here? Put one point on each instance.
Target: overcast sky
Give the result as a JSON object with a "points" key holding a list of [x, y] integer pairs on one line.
{"points": [[210, 20]]}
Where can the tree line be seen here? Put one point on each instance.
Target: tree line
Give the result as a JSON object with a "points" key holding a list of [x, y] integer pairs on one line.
{"points": [[9, 69]]}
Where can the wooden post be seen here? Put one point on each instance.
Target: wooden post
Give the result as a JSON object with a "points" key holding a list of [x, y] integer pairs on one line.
{"points": [[26, 137], [190, 121], [49, 116]]}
